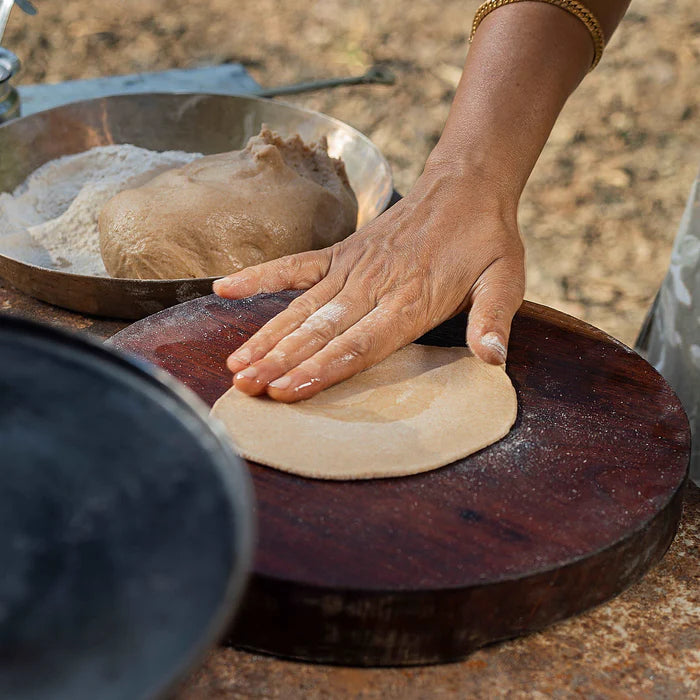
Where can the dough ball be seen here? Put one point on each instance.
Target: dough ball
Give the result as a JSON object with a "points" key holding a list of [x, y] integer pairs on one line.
{"points": [[221, 213]]}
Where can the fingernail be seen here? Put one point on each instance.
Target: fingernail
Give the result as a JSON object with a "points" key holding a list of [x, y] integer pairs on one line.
{"points": [[243, 355], [247, 373], [493, 342], [281, 383]]}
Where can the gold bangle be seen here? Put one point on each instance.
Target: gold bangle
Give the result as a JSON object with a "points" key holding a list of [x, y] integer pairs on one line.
{"points": [[573, 7]]}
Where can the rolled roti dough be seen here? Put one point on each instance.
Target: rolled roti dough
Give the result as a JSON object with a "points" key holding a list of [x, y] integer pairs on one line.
{"points": [[421, 408]]}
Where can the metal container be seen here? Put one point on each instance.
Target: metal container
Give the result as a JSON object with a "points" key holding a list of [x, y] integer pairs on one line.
{"points": [[126, 522], [190, 122], [9, 99]]}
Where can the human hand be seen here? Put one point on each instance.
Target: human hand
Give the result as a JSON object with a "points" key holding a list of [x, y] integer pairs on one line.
{"points": [[441, 250]]}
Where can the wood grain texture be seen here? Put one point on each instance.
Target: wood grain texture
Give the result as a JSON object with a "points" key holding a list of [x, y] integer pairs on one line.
{"points": [[578, 501]]}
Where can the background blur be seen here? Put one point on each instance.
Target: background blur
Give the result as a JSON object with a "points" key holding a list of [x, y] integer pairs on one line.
{"points": [[601, 209]]}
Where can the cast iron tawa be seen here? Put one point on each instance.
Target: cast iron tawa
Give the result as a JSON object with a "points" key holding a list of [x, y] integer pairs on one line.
{"points": [[125, 522], [576, 503]]}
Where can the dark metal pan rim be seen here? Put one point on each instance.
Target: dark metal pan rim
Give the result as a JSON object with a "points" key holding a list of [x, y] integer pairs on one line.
{"points": [[236, 481]]}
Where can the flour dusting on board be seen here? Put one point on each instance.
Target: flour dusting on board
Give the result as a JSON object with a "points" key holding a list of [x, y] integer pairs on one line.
{"points": [[51, 218]]}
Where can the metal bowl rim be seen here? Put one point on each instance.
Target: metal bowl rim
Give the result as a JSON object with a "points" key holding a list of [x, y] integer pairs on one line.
{"points": [[181, 280]]}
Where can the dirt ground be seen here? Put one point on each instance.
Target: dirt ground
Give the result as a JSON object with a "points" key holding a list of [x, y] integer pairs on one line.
{"points": [[602, 207]]}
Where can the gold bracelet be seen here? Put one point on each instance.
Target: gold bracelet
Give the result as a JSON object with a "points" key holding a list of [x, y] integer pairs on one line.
{"points": [[573, 7]]}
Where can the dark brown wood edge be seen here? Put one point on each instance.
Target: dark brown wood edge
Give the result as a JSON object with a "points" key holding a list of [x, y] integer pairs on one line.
{"points": [[547, 313], [356, 627]]}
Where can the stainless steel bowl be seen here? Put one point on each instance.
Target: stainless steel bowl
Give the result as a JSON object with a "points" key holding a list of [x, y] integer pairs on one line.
{"points": [[189, 122]]}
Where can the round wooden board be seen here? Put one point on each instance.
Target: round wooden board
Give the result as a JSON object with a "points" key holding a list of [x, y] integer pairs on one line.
{"points": [[576, 503]]}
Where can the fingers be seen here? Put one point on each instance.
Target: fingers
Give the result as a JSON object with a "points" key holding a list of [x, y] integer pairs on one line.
{"points": [[300, 271], [364, 344], [496, 296], [284, 323], [314, 332]]}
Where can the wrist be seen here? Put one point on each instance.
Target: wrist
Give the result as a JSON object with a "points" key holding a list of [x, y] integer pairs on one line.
{"points": [[488, 185]]}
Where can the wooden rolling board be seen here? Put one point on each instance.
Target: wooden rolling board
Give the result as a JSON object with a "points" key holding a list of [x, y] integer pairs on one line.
{"points": [[577, 502]]}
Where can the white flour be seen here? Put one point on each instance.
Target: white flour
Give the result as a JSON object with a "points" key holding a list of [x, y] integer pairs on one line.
{"points": [[51, 219]]}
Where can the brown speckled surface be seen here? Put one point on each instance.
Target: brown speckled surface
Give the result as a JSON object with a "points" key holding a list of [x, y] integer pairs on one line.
{"points": [[645, 643]]}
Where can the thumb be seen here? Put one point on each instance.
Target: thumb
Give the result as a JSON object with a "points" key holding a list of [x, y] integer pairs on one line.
{"points": [[497, 295], [300, 271]]}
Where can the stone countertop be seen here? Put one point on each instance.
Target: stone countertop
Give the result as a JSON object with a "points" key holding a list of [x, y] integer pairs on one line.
{"points": [[644, 643]]}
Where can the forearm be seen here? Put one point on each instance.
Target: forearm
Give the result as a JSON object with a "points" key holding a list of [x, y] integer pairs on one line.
{"points": [[525, 61], [451, 245]]}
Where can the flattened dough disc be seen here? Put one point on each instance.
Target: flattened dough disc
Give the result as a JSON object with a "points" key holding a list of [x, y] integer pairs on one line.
{"points": [[421, 408]]}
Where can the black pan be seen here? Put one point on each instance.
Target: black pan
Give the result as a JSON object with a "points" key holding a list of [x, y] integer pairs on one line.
{"points": [[125, 522]]}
